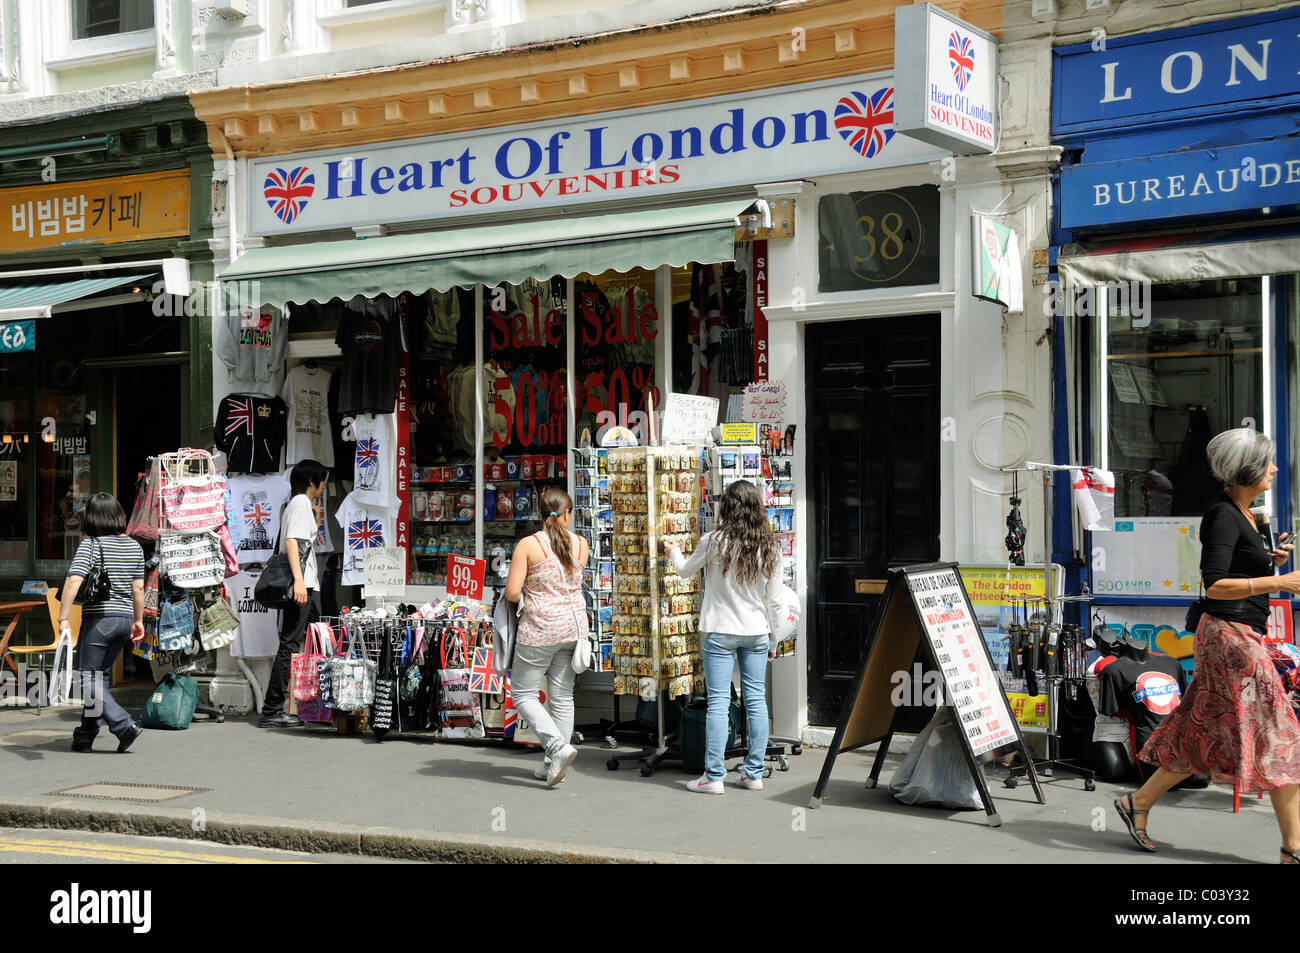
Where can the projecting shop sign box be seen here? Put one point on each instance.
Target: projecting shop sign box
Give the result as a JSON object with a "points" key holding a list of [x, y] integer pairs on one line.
{"points": [[947, 76]]}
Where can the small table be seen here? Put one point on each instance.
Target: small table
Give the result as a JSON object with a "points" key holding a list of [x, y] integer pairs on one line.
{"points": [[17, 610]]}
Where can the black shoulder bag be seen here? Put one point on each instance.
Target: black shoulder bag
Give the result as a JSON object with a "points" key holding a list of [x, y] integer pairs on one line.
{"points": [[97, 586], [274, 587]]}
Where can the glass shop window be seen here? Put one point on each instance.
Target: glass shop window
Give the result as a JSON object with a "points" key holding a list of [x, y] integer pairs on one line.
{"points": [[16, 449], [617, 326], [61, 444], [1199, 367]]}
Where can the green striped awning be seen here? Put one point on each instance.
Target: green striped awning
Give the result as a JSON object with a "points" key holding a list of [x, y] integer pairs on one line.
{"points": [[564, 245], [21, 302]]}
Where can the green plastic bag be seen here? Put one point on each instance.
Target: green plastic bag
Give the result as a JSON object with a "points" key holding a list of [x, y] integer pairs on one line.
{"points": [[172, 703]]}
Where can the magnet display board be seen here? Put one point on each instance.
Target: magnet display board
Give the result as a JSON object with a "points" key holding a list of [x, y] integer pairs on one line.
{"points": [[928, 606]]}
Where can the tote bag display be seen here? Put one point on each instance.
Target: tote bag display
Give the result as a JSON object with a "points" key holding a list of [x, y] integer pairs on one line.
{"points": [[175, 625], [217, 624], [146, 515], [459, 712], [304, 674], [352, 679], [193, 494], [192, 561]]}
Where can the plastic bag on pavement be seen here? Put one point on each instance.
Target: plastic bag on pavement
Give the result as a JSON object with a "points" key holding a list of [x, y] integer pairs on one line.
{"points": [[935, 772]]}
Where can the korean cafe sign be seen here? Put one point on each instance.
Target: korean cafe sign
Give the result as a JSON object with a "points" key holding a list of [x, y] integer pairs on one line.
{"points": [[126, 208], [824, 128]]}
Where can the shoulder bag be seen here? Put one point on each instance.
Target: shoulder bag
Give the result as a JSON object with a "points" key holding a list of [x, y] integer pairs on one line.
{"points": [[275, 586], [96, 586]]}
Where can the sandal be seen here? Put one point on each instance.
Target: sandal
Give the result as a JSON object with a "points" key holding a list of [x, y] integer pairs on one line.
{"points": [[1129, 816], [1295, 857]]}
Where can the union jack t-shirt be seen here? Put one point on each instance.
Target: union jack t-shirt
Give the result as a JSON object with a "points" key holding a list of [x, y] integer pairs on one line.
{"points": [[250, 431]]}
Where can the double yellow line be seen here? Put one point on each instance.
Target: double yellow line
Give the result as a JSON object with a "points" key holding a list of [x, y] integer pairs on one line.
{"points": [[91, 850]]}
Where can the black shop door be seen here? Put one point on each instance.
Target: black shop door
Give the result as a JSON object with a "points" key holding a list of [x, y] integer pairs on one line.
{"points": [[873, 456]]}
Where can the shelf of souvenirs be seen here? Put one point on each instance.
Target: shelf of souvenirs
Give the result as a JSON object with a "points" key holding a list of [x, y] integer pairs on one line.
{"points": [[514, 503]]}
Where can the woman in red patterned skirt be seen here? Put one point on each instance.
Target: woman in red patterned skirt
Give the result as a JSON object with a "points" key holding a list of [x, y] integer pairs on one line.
{"points": [[1235, 723]]}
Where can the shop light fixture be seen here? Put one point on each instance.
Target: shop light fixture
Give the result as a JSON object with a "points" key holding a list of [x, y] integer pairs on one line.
{"points": [[8, 438]]}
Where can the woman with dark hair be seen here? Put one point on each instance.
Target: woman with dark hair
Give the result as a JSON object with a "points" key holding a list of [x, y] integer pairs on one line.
{"points": [[298, 527], [547, 571], [742, 595], [107, 626], [1235, 723]]}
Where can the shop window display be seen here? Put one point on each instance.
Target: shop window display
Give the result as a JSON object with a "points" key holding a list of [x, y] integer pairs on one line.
{"points": [[1191, 367], [617, 325], [61, 441], [15, 452], [713, 328]]}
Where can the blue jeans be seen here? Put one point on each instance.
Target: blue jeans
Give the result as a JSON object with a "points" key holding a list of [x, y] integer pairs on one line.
{"points": [[720, 655], [102, 638]]}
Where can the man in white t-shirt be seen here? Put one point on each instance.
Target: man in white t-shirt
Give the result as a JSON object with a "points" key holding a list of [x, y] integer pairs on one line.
{"points": [[298, 528]]}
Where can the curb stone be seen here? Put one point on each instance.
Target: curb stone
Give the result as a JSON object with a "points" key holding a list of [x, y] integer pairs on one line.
{"points": [[317, 837]]}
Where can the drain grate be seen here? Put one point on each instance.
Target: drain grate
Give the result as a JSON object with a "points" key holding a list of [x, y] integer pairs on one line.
{"points": [[125, 791]]}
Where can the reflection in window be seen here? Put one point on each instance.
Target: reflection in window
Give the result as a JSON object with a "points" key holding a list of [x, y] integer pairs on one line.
{"points": [[1194, 371], [616, 325], [15, 451], [61, 445]]}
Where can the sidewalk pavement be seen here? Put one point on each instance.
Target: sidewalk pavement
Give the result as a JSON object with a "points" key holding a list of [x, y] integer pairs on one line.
{"points": [[412, 796]]}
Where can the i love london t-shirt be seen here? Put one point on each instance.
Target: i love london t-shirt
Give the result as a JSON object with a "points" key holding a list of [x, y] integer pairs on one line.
{"points": [[259, 631], [306, 392], [364, 527]]}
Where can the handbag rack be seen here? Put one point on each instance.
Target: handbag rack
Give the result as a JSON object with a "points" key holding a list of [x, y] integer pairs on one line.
{"points": [[370, 630]]}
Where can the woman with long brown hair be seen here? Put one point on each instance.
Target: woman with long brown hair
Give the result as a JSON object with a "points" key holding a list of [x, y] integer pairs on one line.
{"points": [[547, 571], [742, 595]]}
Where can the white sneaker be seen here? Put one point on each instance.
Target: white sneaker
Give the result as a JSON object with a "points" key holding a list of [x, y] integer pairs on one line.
{"points": [[542, 771], [748, 783], [702, 785], [560, 765]]}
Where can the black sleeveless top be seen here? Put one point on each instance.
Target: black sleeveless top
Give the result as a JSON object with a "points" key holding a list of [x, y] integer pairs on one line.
{"points": [[1232, 549]]}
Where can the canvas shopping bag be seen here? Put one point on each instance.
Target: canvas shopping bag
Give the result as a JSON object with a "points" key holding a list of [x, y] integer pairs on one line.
{"points": [[192, 560], [459, 712], [175, 625], [218, 624], [193, 494]]}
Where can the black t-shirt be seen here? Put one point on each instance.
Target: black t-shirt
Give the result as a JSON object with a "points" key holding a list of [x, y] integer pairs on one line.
{"points": [[1232, 549], [370, 337], [1145, 691], [250, 431]]}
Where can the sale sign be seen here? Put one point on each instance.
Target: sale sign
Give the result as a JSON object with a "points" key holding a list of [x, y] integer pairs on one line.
{"points": [[465, 576]]}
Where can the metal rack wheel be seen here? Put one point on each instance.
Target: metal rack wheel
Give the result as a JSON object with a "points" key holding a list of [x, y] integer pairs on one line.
{"points": [[767, 770], [1089, 785], [611, 742], [783, 763], [646, 771], [1010, 782], [612, 764]]}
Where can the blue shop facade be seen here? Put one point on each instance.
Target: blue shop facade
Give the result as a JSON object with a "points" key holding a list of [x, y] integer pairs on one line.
{"points": [[1176, 281]]}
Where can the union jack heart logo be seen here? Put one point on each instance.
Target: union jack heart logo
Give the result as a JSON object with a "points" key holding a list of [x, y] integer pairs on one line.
{"points": [[287, 192], [866, 123], [961, 57]]}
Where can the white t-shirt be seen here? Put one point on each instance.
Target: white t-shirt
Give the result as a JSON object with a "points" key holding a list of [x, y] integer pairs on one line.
{"points": [[259, 632], [371, 484], [364, 527], [300, 524], [258, 500], [306, 392]]}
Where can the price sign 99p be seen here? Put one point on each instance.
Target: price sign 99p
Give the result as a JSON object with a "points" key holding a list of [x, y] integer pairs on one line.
{"points": [[465, 576]]}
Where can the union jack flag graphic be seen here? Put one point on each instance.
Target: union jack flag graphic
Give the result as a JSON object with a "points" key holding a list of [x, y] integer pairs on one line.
{"points": [[368, 453], [866, 124], [287, 192], [256, 514], [239, 417], [365, 534], [961, 57], [511, 713], [482, 676]]}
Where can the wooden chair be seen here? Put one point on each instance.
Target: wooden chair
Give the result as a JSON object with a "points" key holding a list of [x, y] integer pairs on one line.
{"points": [[22, 651]]}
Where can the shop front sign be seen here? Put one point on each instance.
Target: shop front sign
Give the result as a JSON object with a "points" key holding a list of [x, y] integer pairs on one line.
{"points": [[17, 336], [947, 76], [1176, 185], [126, 208], [823, 128], [997, 272], [1214, 70]]}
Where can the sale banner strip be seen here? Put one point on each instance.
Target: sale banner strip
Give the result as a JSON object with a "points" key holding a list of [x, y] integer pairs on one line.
{"points": [[404, 439], [760, 302]]}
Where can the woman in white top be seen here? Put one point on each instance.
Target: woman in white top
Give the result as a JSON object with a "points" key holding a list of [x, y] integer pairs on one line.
{"points": [[742, 595]]}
